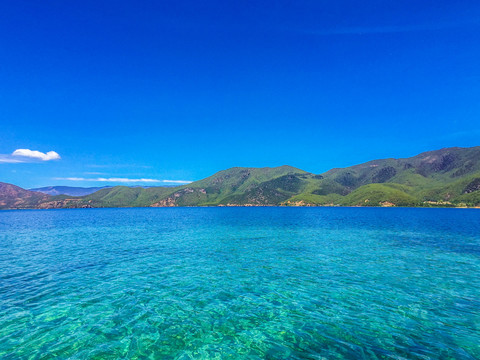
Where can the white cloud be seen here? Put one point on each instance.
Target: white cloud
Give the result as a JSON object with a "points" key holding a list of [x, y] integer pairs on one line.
{"points": [[127, 180], [123, 180], [27, 155], [34, 154]]}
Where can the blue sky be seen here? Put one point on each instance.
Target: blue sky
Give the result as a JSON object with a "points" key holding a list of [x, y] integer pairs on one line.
{"points": [[177, 90]]}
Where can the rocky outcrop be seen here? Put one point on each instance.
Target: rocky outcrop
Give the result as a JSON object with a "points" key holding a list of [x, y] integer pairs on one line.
{"points": [[473, 186], [184, 197], [65, 204], [168, 202]]}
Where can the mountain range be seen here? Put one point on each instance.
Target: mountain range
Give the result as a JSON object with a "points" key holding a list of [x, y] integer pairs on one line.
{"points": [[68, 190], [76, 190], [448, 177]]}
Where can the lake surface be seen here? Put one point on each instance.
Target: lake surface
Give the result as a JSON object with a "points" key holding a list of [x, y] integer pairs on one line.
{"points": [[240, 283]]}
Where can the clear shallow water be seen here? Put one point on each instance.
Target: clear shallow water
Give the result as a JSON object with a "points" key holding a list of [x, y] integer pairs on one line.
{"points": [[256, 283]]}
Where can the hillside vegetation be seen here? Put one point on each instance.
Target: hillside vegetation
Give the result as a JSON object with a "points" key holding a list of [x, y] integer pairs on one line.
{"points": [[446, 177]]}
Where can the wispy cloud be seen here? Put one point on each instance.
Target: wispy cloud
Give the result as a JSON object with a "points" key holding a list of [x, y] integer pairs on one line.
{"points": [[27, 155], [8, 159], [105, 166], [123, 180], [177, 181]]}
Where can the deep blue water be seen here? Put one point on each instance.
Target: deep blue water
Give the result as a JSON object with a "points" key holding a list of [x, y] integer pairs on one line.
{"points": [[246, 283]]}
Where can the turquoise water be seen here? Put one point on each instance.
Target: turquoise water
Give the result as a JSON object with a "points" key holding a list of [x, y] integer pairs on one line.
{"points": [[240, 283]]}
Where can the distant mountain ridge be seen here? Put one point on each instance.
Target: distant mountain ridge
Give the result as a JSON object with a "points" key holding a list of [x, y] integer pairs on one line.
{"points": [[77, 190], [68, 190], [445, 177]]}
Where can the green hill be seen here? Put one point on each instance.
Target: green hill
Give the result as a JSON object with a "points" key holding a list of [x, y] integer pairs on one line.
{"points": [[233, 186], [441, 177], [446, 177]]}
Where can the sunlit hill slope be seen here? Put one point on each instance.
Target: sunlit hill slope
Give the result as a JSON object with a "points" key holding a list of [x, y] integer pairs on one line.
{"points": [[446, 177]]}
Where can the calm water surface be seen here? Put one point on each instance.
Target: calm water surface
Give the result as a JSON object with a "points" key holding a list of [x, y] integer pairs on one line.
{"points": [[240, 283]]}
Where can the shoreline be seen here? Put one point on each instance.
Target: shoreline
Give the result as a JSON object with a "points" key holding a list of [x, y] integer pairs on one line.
{"points": [[250, 206]]}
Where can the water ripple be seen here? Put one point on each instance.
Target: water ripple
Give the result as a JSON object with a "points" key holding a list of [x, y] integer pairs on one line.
{"points": [[266, 283]]}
